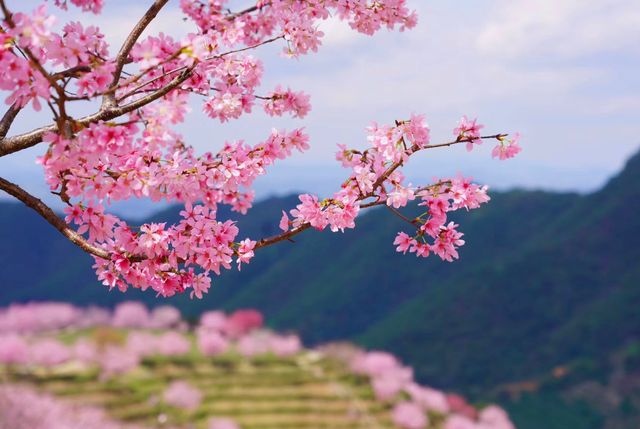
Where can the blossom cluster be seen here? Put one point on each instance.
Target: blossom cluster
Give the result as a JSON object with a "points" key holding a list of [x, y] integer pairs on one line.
{"points": [[376, 175], [22, 343], [446, 196], [83, 168], [412, 403], [24, 408], [225, 79], [42, 317], [181, 394]]}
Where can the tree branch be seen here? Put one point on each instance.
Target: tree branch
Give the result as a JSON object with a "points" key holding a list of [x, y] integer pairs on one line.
{"points": [[32, 138], [110, 111], [401, 216], [281, 237], [287, 235], [398, 164], [131, 40], [8, 118], [49, 215]]}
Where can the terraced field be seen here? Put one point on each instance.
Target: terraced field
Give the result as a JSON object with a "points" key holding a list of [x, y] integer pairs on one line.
{"points": [[306, 391], [92, 369]]}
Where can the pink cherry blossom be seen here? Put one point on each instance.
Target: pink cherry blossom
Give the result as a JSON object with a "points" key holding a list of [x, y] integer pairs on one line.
{"points": [[400, 196], [85, 351], [494, 417], [173, 344], [428, 398], [388, 384], [404, 242], [409, 404], [245, 251], [284, 222], [181, 394], [164, 317], [213, 320], [142, 343], [506, 149], [130, 315], [94, 6], [469, 130], [456, 421], [374, 363], [24, 408], [13, 349], [241, 322], [211, 343], [279, 102], [222, 423], [447, 242], [408, 415], [460, 405], [253, 344], [116, 360], [48, 352], [283, 346]]}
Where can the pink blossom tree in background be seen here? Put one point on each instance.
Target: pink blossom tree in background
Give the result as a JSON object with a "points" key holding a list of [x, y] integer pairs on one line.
{"points": [[125, 144], [37, 354]]}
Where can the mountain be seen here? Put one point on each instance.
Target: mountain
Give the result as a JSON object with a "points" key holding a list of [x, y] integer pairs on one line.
{"points": [[544, 297]]}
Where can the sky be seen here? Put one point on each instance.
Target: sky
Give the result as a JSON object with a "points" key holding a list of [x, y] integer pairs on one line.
{"points": [[564, 73]]}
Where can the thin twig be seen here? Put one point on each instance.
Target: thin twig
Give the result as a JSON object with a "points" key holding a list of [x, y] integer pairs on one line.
{"points": [[32, 138], [401, 216], [129, 42]]}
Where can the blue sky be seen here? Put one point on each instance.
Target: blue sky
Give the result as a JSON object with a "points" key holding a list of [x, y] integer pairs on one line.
{"points": [[566, 74]]}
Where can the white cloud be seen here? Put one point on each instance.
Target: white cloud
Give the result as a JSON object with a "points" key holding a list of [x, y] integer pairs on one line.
{"points": [[620, 104], [339, 34], [569, 28], [117, 19]]}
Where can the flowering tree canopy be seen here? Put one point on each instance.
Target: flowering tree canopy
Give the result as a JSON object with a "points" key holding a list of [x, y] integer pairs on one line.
{"points": [[126, 145]]}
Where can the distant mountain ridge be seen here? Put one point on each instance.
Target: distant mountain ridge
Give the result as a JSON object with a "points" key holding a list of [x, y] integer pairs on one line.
{"points": [[545, 280]]}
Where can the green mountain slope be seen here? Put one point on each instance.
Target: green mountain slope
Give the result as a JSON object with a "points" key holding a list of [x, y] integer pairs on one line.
{"points": [[570, 291]]}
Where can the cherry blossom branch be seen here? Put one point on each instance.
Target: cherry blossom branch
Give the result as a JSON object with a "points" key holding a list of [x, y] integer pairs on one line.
{"points": [[282, 237], [130, 41], [287, 235], [8, 16], [465, 140], [401, 216], [140, 75], [32, 138], [177, 69], [398, 164], [71, 72], [244, 12], [107, 112], [49, 215]]}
